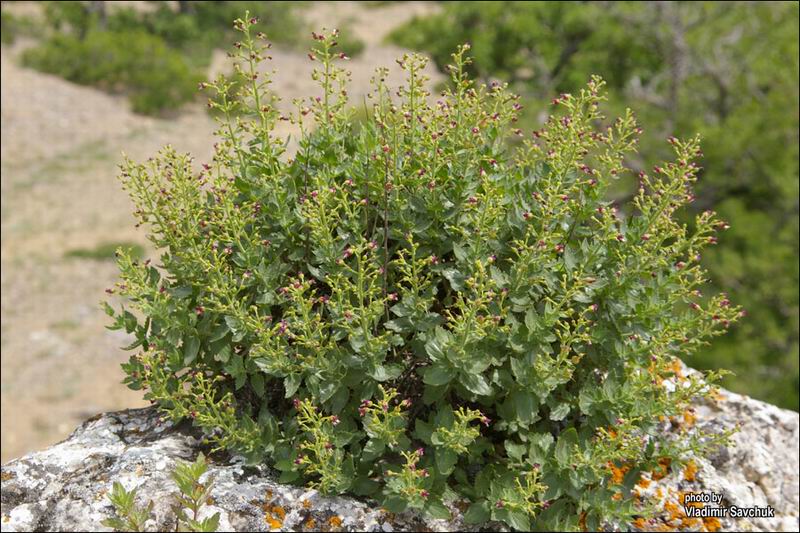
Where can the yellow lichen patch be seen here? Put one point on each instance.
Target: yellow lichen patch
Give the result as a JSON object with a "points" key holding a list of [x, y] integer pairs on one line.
{"points": [[689, 418], [310, 524], [690, 471], [306, 504], [640, 523], [268, 494], [278, 511], [5, 476], [335, 521], [643, 482], [711, 523], [274, 523]]}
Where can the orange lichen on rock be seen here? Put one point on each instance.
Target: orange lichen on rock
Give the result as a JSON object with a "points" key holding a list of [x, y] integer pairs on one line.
{"points": [[711, 523], [643, 482], [689, 418], [310, 524], [617, 473], [273, 514], [690, 471], [335, 521]]}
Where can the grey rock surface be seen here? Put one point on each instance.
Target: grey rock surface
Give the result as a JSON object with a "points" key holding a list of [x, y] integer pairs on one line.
{"points": [[64, 488]]}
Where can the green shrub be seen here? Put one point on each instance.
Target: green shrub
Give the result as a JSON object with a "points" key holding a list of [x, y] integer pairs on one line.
{"points": [[415, 311], [13, 26], [155, 77], [725, 70]]}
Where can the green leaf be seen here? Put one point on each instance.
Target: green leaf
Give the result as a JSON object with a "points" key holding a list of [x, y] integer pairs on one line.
{"points": [[559, 412], [436, 509], [257, 382], [386, 372], [477, 513], [423, 431], [514, 450], [291, 384], [394, 504], [525, 405], [476, 384], [566, 442], [191, 346], [364, 486], [445, 460], [518, 520], [437, 375], [224, 354], [455, 278]]}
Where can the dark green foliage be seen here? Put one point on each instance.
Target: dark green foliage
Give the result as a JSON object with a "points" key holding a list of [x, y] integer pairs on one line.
{"points": [[412, 309], [154, 77], [157, 56], [726, 70], [197, 28]]}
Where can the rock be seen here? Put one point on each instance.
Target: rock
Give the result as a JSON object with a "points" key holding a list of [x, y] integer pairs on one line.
{"points": [[64, 487]]}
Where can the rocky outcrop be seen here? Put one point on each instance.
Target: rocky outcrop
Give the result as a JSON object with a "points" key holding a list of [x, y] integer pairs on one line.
{"points": [[63, 488]]}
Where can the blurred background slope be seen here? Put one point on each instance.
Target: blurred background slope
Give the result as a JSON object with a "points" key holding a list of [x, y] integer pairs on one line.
{"points": [[83, 81]]}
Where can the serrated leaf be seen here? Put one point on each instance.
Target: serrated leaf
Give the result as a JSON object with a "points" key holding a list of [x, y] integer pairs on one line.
{"points": [[559, 412], [566, 442], [476, 384]]}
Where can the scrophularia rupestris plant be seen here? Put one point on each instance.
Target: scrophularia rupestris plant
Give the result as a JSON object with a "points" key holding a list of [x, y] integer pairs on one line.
{"points": [[414, 308]]}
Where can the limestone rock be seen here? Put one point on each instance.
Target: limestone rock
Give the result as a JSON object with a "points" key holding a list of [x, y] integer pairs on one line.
{"points": [[64, 487]]}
